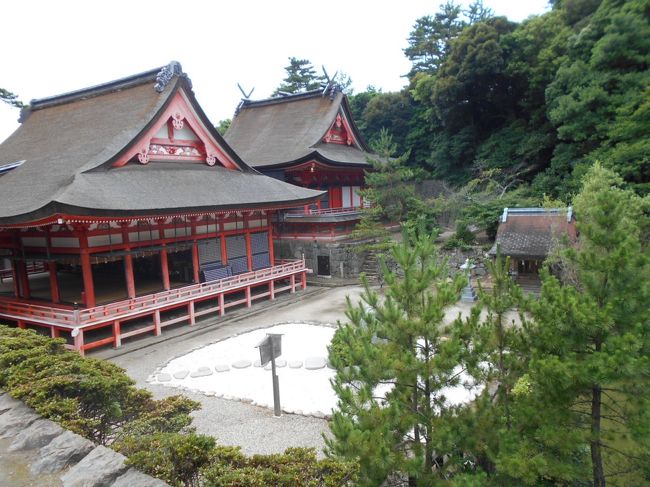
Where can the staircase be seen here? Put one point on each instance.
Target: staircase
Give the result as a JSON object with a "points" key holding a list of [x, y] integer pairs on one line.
{"points": [[371, 267]]}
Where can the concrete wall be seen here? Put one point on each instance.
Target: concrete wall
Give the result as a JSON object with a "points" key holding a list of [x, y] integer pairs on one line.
{"points": [[343, 254]]}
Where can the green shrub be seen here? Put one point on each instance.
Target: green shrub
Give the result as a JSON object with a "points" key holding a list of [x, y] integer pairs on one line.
{"points": [[296, 467], [175, 458]]}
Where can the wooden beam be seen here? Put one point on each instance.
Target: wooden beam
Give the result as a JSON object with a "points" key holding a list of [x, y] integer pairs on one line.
{"points": [[128, 275]]}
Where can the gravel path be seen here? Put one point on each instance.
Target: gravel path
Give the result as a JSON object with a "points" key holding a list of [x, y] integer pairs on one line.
{"points": [[253, 428]]}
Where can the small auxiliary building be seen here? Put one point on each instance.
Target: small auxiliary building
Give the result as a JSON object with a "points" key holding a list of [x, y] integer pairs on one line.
{"points": [[309, 140], [138, 211]]}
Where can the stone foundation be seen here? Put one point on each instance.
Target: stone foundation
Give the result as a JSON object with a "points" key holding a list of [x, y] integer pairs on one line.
{"points": [[345, 258]]}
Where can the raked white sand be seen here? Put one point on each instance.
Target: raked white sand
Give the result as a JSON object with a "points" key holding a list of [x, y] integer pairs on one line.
{"points": [[302, 391]]}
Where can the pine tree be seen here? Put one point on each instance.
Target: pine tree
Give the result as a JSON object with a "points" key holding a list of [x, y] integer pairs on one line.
{"points": [[10, 98], [393, 361], [584, 404], [301, 76]]}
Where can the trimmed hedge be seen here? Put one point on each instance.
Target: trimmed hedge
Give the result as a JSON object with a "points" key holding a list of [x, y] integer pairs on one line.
{"points": [[97, 400]]}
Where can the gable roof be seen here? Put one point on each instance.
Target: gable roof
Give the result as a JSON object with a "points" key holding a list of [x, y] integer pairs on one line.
{"points": [[285, 130], [531, 233], [70, 142]]}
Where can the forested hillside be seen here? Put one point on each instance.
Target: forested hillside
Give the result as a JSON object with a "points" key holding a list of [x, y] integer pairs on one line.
{"points": [[530, 105]]}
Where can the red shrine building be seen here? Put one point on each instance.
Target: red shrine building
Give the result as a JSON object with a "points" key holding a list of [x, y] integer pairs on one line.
{"points": [[310, 140], [123, 211]]}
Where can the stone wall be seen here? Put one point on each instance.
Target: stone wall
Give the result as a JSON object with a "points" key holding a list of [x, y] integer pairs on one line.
{"points": [[346, 260], [37, 451]]}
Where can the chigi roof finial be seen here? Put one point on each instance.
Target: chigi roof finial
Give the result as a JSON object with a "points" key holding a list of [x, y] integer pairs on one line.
{"points": [[166, 74]]}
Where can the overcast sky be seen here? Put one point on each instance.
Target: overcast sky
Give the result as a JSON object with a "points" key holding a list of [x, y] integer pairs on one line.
{"points": [[50, 47]]}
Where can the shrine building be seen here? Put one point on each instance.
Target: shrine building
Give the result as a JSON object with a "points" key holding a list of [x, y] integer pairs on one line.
{"points": [[123, 211], [310, 140]]}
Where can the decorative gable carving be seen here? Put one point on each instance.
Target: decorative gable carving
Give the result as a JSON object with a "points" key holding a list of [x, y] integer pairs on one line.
{"points": [[178, 135], [340, 132]]}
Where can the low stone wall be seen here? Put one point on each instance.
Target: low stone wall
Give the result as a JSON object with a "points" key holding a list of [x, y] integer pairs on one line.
{"points": [[42, 453], [346, 261]]}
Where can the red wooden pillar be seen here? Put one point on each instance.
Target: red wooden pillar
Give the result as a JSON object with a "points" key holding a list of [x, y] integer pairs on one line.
{"points": [[248, 296], [156, 323], [86, 270], [164, 269], [222, 305], [79, 341], [249, 251], [15, 277], [117, 332], [303, 280], [196, 267], [293, 283], [55, 332], [190, 312], [195, 262], [23, 279], [224, 251], [270, 232], [128, 263], [54, 283], [22, 325]]}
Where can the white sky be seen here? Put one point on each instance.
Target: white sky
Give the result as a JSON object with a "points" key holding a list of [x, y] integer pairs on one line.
{"points": [[50, 47]]}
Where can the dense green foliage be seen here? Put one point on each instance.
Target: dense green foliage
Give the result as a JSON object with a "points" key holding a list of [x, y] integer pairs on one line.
{"points": [[539, 101], [563, 382], [97, 400], [392, 365], [10, 98], [301, 76]]}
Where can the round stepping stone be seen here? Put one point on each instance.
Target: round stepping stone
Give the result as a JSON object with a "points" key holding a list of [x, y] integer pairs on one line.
{"points": [[314, 363], [201, 372], [181, 374], [241, 364], [164, 377], [257, 363], [268, 366], [280, 363], [222, 368], [295, 364]]}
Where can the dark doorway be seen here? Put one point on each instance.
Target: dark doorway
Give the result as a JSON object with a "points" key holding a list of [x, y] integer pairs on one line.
{"points": [[181, 272], [324, 265]]}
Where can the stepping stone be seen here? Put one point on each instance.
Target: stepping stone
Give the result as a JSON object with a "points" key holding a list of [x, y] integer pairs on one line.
{"points": [[181, 374], [222, 368], [257, 363], [314, 363], [241, 364], [280, 363], [201, 372], [164, 377], [295, 364]]}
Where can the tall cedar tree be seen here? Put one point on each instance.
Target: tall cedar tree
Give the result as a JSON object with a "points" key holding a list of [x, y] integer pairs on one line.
{"points": [[393, 360], [585, 401], [301, 76]]}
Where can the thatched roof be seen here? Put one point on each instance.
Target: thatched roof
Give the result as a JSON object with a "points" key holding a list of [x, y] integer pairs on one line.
{"points": [[69, 143], [285, 130]]}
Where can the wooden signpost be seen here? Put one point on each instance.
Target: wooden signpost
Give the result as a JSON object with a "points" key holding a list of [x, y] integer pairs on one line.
{"points": [[270, 349]]}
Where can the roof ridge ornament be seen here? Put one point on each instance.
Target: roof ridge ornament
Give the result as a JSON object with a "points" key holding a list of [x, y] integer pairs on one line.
{"points": [[167, 73]]}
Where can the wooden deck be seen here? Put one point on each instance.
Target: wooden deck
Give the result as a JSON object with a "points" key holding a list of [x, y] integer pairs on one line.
{"points": [[75, 324]]}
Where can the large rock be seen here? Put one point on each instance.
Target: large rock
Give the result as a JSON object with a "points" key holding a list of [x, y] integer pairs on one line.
{"points": [[37, 435], [99, 468], [62, 451], [134, 478], [15, 420], [7, 402]]}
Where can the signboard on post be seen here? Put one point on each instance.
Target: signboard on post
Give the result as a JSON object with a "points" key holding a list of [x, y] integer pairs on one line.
{"points": [[270, 349]]}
